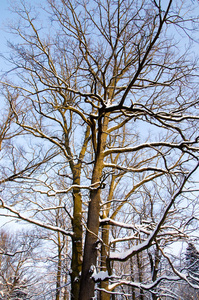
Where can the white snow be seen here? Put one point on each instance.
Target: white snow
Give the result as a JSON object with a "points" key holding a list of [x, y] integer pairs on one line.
{"points": [[102, 275]]}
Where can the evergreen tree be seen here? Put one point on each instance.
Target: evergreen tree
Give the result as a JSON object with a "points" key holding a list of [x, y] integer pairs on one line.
{"points": [[192, 262]]}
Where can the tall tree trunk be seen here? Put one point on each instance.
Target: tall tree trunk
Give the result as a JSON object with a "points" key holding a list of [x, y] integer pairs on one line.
{"points": [[65, 280], [77, 245], [105, 239], [76, 264], [154, 262], [139, 264], [87, 284], [90, 248], [58, 281]]}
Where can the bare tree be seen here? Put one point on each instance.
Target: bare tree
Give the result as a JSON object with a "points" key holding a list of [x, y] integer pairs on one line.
{"points": [[16, 250], [106, 101]]}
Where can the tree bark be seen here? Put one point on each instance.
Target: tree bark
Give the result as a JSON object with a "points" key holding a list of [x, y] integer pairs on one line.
{"points": [[77, 245], [58, 281], [87, 284], [105, 239], [76, 264]]}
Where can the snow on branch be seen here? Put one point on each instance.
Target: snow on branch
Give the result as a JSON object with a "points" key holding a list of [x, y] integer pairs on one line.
{"points": [[52, 192], [137, 228], [182, 146], [20, 216], [125, 255], [147, 287]]}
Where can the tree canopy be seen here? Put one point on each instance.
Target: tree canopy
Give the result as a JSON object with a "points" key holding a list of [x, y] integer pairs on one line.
{"points": [[99, 139]]}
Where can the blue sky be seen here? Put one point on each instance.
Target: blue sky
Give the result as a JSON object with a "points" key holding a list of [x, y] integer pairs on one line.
{"points": [[5, 16]]}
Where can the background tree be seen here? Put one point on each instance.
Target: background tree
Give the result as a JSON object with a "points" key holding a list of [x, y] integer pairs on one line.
{"points": [[105, 99], [192, 260], [16, 250]]}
